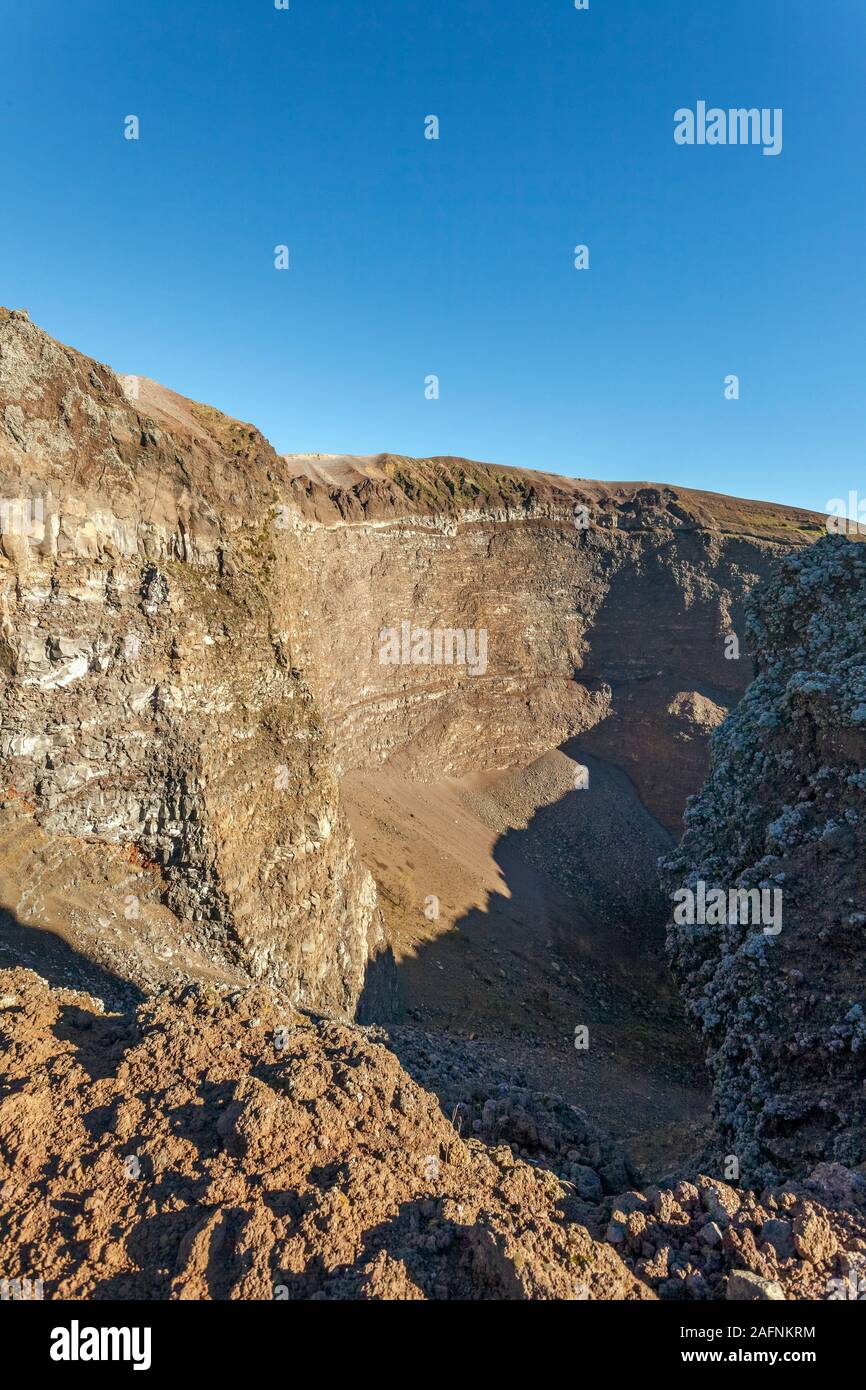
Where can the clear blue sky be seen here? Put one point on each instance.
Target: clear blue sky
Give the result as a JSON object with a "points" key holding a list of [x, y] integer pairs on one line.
{"points": [[411, 257]]}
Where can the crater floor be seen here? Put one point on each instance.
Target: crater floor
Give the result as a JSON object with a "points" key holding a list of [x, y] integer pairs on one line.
{"points": [[520, 909]]}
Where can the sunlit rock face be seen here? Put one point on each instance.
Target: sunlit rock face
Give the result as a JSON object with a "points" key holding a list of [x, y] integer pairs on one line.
{"points": [[150, 703], [782, 1003], [197, 636]]}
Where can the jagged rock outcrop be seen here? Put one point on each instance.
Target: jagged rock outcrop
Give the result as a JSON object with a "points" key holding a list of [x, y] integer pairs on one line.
{"points": [[783, 1011]]}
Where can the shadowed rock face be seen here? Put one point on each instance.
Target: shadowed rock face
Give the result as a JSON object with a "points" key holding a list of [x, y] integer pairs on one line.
{"points": [[784, 809], [190, 654]]}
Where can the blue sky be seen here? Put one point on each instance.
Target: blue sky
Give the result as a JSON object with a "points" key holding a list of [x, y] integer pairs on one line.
{"points": [[412, 257]]}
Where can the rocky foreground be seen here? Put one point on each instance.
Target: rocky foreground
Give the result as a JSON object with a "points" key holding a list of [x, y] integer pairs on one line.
{"points": [[214, 1145], [217, 1146]]}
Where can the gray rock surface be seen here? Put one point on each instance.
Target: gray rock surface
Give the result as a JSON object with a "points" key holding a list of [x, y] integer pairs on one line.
{"points": [[783, 1012]]}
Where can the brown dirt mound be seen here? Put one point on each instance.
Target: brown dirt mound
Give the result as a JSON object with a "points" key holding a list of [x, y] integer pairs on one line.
{"points": [[191, 1149]]}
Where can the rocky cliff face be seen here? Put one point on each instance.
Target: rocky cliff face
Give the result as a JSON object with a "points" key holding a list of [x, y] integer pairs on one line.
{"points": [[150, 702], [606, 610], [781, 1001], [192, 651]]}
